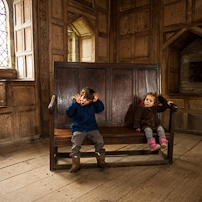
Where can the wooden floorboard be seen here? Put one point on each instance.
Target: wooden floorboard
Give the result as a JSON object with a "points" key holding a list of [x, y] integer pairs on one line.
{"points": [[25, 176]]}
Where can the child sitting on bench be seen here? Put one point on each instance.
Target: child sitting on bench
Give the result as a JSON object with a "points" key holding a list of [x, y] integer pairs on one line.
{"points": [[83, 124], [146, 119]]}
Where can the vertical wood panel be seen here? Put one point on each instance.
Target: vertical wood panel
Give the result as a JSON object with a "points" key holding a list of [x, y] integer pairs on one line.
{"points": [[68, 81], [96, 79], [122, 98]]}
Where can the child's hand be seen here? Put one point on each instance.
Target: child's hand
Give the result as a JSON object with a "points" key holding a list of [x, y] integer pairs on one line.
{"points": [[138, 129], [78, 98], [96, 96], [170, 102]]}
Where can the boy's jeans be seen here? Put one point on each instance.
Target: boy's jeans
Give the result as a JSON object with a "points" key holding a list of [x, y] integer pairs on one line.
{"points": [[78, 138]]}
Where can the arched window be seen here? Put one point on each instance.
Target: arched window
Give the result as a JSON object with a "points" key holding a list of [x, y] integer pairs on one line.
{"points": [[3, 36]]}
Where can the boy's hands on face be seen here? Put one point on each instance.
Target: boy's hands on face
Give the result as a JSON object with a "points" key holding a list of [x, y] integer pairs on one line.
{"points": [[96, 96], [78, 98], [138, 129]]}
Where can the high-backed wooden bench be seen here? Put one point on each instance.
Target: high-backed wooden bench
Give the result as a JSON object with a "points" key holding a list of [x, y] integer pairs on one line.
{"points": [[121, 87]]}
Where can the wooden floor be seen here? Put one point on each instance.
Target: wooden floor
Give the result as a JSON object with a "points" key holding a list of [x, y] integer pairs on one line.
{"points": [[25, 176]]}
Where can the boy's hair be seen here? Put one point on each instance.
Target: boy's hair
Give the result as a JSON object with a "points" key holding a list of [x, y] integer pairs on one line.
{"points": [[87, 93], [155, 95]]}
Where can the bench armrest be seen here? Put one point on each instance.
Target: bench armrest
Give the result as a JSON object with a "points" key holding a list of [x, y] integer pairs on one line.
{"points": [[52, 103], [173, 107]]}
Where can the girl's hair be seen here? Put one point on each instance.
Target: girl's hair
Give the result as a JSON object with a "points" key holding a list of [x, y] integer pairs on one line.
{"points": [[155, 95], [87, 93]]}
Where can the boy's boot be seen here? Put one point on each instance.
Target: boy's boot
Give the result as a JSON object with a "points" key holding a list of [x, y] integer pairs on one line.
{"points": [[152, 143], [163, 142], [75, 164], [101, 160]]}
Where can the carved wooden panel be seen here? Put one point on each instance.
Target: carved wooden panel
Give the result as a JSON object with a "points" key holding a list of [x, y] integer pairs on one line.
{"points": [[174, 71], [195, 104], [102, 4], [103, 47], [169, 1], [27, 123], [102, 22], [175, 13], [125, 48], [7, 129], [141, 21], [58, 58], [57, 9], [23, 95], [142, 2], [141, 46], [197, 10], [194, 122], [2, 94], [127, 4], [126, 24], [58, 37]]}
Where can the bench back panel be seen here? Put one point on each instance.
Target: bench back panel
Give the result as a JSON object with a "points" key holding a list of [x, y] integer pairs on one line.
{"points": [[120, 86]]}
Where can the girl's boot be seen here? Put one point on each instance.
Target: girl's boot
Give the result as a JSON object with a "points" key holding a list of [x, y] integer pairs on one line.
{"points": [[163, 142], [75, 164], [152, 143]]}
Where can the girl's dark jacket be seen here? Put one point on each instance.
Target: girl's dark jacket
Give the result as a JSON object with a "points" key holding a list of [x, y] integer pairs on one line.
{"points": [[147, 116]]}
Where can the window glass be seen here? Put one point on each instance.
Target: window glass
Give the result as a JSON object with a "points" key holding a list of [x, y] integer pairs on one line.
{"points": [[3, 36]]}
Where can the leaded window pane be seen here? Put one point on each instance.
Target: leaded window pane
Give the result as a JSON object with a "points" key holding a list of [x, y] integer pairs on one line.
{"points": [[3, 36]]}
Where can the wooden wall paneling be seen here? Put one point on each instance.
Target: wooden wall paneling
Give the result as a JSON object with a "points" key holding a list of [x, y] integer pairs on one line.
{"points": [[27, 123], [175, 13], [142, 2], [7, 131], [102, 4], [142, 48], [3, 97], [44, 53], [197, 14], [155, 16], [102, 36], [174, 71], [125, 51], [126, 5]]}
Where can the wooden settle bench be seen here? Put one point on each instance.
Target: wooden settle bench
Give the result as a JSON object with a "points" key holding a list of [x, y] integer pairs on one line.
{"points": [[120, 87]]}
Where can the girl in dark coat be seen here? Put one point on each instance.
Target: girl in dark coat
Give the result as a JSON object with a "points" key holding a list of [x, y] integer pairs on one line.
{"points": [[146, 119]]}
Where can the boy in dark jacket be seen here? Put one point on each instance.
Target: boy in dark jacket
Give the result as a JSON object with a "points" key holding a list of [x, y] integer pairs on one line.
{"points": [[82, 111], [146, 119]]}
